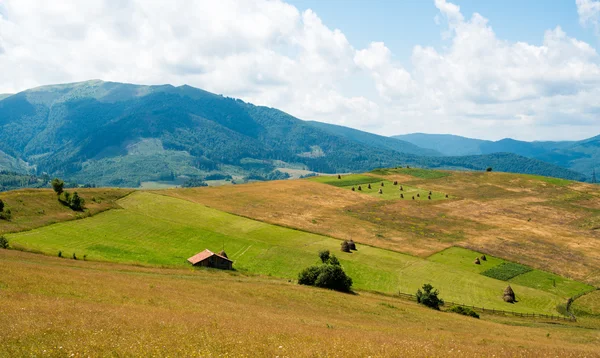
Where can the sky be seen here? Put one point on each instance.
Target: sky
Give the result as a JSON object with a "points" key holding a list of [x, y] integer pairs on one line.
{"points": [[493, 69]]}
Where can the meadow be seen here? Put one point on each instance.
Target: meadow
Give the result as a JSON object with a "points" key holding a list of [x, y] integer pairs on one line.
{"points": [[371, 185], [60, 308], [157, 230], [543, 223]]}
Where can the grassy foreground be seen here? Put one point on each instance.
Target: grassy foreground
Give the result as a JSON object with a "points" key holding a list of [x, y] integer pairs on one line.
{"points": [[61, 308], [157, 230]]}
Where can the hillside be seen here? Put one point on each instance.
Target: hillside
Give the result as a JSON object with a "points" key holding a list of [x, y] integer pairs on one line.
{"points": [[60, 307], [581, 156], [114, 134]]}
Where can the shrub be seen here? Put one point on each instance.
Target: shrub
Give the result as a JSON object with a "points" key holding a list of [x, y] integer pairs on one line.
{"points": [[324, 256], [1, 206], [77, 202], [58, 185], [6, 214], [333, 261], [309, 275], [489, 169], [333, 277], [465, 311], [3, 242], [428, 297]]}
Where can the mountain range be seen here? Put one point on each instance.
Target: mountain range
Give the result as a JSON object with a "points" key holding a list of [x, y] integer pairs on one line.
{"points": [[117, 134], [581, 156]]}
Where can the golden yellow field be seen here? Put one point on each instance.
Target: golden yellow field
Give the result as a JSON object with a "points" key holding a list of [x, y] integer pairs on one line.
{"points": [[64, 308]]}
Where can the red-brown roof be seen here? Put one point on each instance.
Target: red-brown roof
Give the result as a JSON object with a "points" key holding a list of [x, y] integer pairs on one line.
{"points": [[201, 256]]}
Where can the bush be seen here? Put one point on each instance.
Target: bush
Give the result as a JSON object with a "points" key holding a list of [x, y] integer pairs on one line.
{"points": [[324, 256], [465, 311], [309, 275], [77, 202], [333, 277], [1, 206], [489, 169], [6, 214], [3, 242], [328, 275], [429, 297]]}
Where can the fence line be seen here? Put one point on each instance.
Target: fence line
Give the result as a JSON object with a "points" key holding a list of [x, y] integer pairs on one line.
{"points": [[495, 311]]}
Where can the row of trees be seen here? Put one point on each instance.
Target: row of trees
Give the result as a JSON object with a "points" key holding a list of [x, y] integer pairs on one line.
{"points": [[74, 201]]}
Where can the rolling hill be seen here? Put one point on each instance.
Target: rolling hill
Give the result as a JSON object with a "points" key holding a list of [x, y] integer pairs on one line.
{"points": [[114, 134], [581, 156]]}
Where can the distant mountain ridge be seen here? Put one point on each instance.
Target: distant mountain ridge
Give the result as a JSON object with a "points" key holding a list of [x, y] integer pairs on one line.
{"points": [[581, 156], [116, 134]]}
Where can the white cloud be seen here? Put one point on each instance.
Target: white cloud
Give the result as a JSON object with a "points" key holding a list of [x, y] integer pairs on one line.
{"points": [[589, 13], [269, 53]]}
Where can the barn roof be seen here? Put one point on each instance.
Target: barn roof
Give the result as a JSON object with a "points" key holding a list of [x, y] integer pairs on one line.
{"points": [[201, 256]]}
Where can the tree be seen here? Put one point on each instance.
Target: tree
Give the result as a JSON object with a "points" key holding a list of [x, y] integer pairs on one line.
{"points": [[1, 206], [328, 275], [489, 169], [334, 261], [428, 297], [77, 202], [58, 186], [324, 256]]}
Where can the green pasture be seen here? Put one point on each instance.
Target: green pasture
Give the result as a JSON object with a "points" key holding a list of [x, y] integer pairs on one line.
{"points": [[389, 191], [152, 229], [511, 272]]}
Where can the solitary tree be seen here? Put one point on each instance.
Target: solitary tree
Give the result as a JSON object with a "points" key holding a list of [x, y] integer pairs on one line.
{"points": [[429, 297], [3, 242], [489, 169], [58, 185]]}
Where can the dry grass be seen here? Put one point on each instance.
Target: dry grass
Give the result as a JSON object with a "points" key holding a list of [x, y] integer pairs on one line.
{"points": [[544, 223], [32, 208], [57, 307]]}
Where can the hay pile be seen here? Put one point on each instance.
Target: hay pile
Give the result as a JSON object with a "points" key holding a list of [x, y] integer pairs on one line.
{"points": [[381, 183], [401, 196], [483, 258], [401, 188], [369, 186], [477, 262], [352, 245], [224, 254], [395, 182], [359, 188], [339, 176], [509, 295], [353, 189], [345, 246], [380, 191]]}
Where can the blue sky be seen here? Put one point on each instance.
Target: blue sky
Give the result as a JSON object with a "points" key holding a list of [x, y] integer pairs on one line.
{"points": [[489, 69], [402, 24]]}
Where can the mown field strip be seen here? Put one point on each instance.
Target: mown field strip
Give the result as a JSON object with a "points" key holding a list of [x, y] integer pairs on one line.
{"points": [[158, 230]]}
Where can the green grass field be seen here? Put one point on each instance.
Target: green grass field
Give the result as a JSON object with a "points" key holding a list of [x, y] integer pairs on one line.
{"points": [[588, 305], [153, 229], [415, 172], [463, 259], [389, 190]]}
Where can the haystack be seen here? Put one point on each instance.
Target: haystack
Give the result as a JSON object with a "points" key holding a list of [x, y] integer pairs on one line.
{"points": [[381, 183], [224, 254], [430, 193], [413, 197], [369, 186], [418, 195], [345, 246], [395, 182], [483, 258], [380, 191], [401, 196], [352, 245], [353, 189], [446, 195], [429, 197], [477, 262], [359, 188], [401, 188], [339, 176], [509, 295]]}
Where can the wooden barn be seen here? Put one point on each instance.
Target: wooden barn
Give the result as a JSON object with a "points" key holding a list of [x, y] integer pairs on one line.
{"points": [[208, 258]]}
